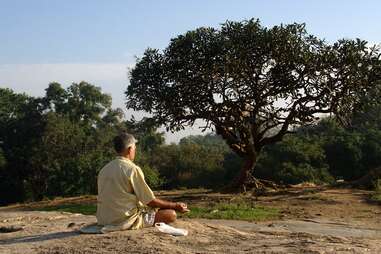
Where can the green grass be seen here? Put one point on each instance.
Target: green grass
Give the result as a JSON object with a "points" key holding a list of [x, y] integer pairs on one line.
{"points": [[235, 211], [376, 197], [87, 209], [239, 211]]}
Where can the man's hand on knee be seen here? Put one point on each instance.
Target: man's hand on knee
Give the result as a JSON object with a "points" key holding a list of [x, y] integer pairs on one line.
{"points": [[163, 204], [182, 207]]}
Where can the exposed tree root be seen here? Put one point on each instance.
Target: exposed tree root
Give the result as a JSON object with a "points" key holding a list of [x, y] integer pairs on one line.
{"points": [[251, 184]]}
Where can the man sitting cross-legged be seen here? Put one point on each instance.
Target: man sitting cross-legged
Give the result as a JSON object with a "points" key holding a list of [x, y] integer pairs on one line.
{"points": [[125, 201]]}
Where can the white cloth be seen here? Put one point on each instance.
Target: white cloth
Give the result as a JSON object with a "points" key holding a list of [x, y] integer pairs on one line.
{"points": [[149, 219], [162, 227]]}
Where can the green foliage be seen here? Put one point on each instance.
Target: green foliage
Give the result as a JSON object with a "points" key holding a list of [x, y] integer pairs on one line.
{"points": [[350, 152], [20, 126], [152, 176], [344, 155], [319, 153], [368, 111], [81, 102], [70, 156], [253, 85], [194, 162], [54, 145], [2, 159], [296, 159], [376, 196], [303, 172], [235, 211], [12, 105], [377, 185], [149, 141]]}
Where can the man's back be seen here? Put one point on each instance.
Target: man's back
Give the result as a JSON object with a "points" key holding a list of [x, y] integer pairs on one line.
{"points": [[122, 194]]}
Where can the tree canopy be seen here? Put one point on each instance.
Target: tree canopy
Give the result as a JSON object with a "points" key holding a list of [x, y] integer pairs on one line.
{"points": [[250, 83]]}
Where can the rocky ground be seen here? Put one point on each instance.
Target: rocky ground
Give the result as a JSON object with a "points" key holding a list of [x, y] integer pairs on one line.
{"points": [[316, 221]]}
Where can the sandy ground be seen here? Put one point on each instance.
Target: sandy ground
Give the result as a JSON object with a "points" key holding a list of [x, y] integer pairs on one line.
{"points": [[320, 221]]}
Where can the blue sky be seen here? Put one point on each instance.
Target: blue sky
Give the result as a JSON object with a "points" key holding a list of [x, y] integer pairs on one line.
{"points": [[73, 40]]}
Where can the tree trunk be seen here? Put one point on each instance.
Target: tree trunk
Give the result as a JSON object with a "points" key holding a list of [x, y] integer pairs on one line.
{"points": [[245, 174], [245, 179]]}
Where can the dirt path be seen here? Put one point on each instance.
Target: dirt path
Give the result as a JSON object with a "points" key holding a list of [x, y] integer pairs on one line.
{"points": [[341, 205], [323, 221], [315, 227]]}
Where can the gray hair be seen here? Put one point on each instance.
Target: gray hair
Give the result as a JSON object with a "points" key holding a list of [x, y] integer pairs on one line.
{"points": [[123, 141]]}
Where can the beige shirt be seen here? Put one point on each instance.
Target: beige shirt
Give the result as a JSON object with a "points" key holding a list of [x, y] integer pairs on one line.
{"points": [[122, 196]]}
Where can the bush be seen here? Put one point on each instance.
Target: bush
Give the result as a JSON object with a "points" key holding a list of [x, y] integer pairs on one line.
{"points": [[152, 177], [197, 161], [344, 155], [303, 172], [296, 159], [377, 185]]}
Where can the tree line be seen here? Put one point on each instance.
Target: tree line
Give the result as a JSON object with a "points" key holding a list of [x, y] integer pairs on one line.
{"points": [[55, 146]]}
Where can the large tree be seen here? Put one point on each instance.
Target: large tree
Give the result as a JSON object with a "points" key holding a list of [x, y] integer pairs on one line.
{"points": [[82, 102], [20, 128], [250, 83], [54, 145]]}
